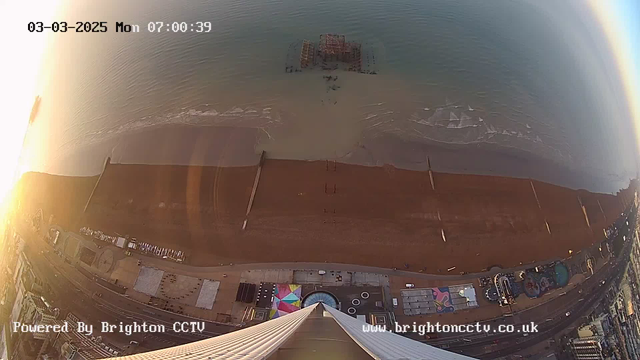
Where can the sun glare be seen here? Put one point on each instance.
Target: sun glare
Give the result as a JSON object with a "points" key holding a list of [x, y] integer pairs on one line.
{"points": [[20, 63], [616, 34]]}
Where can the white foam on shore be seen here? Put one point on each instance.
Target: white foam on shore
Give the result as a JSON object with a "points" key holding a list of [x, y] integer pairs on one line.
{"points": [[451, 126], [235, 117]]}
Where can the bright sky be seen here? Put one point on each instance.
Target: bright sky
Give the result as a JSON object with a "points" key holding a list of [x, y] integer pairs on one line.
{"points": [[621, 22], [23, 51], [19, 67]]}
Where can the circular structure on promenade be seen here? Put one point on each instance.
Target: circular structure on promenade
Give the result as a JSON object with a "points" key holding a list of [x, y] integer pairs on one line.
{"points": [[364, 295], [531, 286], [491, 293], [320, 296], [179, 287], [545, 284], [105, 261], [355, 302], [351, 311]]}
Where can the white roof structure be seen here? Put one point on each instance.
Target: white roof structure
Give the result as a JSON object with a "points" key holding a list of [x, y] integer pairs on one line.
{"points": [[256, 342], [148, 281], [387, 345], [207, 295], [120, 242], [263, 340], [470, 294]]}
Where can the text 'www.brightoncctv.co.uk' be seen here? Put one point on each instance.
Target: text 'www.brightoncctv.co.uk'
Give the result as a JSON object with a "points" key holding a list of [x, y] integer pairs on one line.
{"points": [[428, 328]]}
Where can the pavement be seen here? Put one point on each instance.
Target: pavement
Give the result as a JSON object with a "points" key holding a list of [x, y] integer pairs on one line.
{"points": [[230, 275], [75, 292], [114, 307], [201, 270], [550, 317]]}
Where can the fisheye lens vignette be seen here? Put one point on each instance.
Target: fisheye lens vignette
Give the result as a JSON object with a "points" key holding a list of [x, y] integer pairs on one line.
{"points": [[344, 180]]}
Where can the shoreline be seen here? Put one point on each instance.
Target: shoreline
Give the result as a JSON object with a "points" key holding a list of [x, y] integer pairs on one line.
{"points": [[240, 146]]}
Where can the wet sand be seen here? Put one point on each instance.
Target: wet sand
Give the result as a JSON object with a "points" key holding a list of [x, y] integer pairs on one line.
{"points": [[224, 146], [378, 216]]}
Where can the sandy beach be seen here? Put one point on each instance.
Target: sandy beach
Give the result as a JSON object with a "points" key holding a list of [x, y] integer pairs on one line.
{"points": [[329, 211]]}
